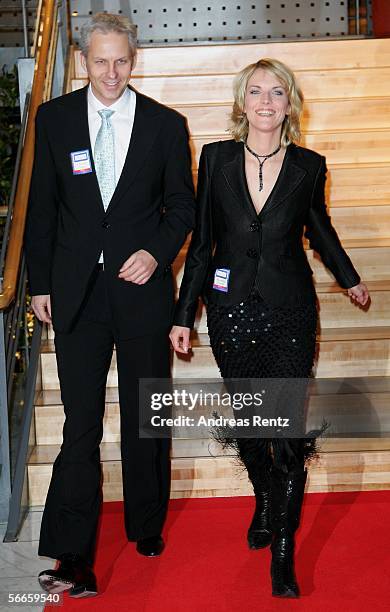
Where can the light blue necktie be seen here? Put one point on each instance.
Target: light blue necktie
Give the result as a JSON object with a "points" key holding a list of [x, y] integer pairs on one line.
{"points": [[104, 157]]}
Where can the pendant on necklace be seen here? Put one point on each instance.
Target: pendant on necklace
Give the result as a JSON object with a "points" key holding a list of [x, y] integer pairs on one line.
{"points": [[261, 162]]}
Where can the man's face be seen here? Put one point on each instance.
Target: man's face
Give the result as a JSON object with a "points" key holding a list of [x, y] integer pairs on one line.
{"points": [[108, 63]]}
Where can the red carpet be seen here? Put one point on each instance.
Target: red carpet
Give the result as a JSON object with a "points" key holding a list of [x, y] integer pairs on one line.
{"points": [[342, 562]]}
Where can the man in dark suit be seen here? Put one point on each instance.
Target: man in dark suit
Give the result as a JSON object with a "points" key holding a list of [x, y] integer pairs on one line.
{"points": [[111, 203]]}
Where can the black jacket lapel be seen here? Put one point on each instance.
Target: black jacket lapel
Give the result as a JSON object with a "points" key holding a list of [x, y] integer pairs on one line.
{"points": [[291, 175], [234, 172], [77, 104]]}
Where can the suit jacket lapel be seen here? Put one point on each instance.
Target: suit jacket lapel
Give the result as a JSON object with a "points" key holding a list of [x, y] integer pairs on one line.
{"points": [[79, 130], [145, 130], [290, 176], [234, 172]]}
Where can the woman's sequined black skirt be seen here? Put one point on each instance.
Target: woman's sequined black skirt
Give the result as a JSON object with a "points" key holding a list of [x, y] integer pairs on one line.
{"points": [[253, 340]]}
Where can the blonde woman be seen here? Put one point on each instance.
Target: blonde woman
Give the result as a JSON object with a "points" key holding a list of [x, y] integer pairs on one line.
{"points": [[257, 195]]}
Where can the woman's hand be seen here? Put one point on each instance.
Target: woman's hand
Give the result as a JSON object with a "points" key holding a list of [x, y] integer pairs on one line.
{"points": [[180, 338], [359, 293]]}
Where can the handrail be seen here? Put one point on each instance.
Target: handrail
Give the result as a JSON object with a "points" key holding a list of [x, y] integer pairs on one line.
{"points": [[11, 201], [51, 57], [15, 243], [14, 522], [25, 30], [38, 23]]}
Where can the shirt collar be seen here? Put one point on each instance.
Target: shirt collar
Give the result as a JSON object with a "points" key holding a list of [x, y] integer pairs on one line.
{"points": [[121, 106]]}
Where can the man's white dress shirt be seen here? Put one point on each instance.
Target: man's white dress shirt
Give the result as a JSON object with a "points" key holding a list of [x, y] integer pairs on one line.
{"points": [[122, 122]]}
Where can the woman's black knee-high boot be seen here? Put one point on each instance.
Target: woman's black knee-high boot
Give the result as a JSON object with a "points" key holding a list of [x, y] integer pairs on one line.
{"points": [[254, 455], [286, 502], [259, 532]]}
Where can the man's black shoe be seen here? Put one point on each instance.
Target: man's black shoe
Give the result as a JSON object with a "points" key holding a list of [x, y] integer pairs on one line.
{"points": [[73, 575], [150, 547]]}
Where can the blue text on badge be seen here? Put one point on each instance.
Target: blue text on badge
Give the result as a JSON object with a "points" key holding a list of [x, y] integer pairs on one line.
{"points": [[81, 162], [221, 279]]}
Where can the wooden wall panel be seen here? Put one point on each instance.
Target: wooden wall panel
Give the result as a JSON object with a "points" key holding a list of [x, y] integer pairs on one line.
{"points": [[218, 88], [229, 59]]}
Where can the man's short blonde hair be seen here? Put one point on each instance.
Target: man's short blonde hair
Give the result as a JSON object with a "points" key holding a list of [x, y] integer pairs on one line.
{"points": [[105, 23]]}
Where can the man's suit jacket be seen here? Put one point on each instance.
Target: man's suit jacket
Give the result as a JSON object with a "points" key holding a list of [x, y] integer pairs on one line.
{"points": [[153, 208], [265, 250]]}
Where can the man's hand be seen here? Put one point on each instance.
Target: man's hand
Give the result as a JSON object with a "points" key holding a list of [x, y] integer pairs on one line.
{"points": [[42, 307], [180, 338], [138, 268], [359, 293]]}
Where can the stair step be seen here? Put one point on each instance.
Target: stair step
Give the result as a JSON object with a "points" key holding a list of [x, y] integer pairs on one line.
{"points": [[371, 262], [360, 143], [201, 340], [370, 194], [359, 402], [336, 311], [338, 352], [360, 223], [229, 59], [217, 88], [339, 147], [372, 222], [331, 115], [45, 454], [350, 243], [362, 384], [347, 184], [220, 476], [319, 115]]}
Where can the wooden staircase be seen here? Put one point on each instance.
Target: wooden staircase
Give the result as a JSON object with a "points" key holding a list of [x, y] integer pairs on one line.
{"points": [[11, 22], [347, 118]]}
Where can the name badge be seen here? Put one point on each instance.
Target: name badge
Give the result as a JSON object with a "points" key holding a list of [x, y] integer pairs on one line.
{"points": [[221, 279], [81, 162]]}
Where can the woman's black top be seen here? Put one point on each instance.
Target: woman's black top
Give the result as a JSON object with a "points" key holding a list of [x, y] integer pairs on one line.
{"points": [[262, 250]]}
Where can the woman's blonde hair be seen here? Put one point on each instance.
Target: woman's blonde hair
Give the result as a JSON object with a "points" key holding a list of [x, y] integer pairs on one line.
{"points": [[291, 129]]}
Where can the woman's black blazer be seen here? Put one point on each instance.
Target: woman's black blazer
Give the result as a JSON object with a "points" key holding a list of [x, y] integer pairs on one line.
{"points": [[265, 250]]}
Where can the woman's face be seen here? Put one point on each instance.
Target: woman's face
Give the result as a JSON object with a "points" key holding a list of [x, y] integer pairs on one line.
{"points": [[266, 102]]}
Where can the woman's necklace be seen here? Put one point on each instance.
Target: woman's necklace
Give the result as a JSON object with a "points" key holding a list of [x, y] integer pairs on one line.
{"points": [[261, 162]]}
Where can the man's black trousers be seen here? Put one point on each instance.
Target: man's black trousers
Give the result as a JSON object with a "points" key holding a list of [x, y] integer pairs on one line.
{"points": [[71, 514]]}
